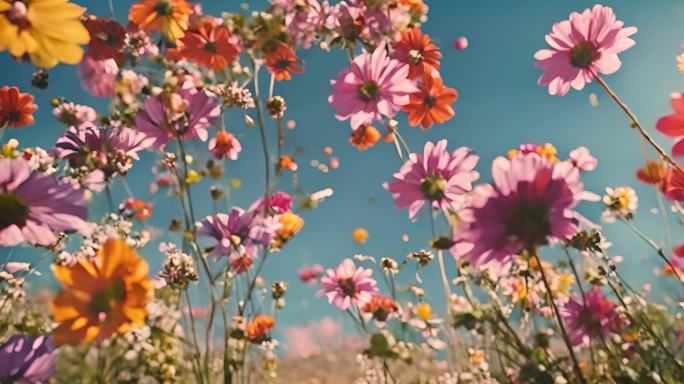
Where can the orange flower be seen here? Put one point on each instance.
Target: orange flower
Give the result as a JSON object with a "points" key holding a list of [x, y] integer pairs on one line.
{"points": [[208, 46], [380, 307], [364, 137], [360, 235], [136, 207], [168, 16], [432, 104], [287, 162], [291, 223], [16, 108], [101, 297], [259, 327], [282, 61], [655, 172], [419, 52]]}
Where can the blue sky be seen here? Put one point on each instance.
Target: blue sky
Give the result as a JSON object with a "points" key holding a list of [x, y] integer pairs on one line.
{"points": [[499, 107]]}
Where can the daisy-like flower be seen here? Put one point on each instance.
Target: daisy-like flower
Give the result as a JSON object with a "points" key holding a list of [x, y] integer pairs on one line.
{"points": [[590, 318], [170, 17], [106, 38], [432, 104], [208, 46], [582, 47], [422, 56], [103, 296], [185, 113], [435, 177], [365, 137], [581, 158], [374, 86], [16, 108], [621, 203], [98, 77], [282, 61], [236, 228], [33, 205], [27, 359], [225, 144], [531, 204], [348, 285], [673, 125], [49, 31]]}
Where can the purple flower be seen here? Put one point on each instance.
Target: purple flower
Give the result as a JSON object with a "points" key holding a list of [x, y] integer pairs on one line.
{"points": [[238, 227], [374, 86], [33, 205], [589, 317], [530, 204], [185, 113], [27, 359], [348, 285], [435, 176]]}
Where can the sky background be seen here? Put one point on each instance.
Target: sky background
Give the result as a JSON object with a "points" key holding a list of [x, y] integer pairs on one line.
{"points": [[500, 106]]}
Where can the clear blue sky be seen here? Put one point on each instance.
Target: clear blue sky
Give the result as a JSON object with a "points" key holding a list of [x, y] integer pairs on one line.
{"points": [[499, 107]]}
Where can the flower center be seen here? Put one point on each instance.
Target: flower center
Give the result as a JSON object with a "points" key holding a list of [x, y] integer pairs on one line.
{"points": [[18, 15], [163, 8], [13, 210], [415, 56], [369, 90], [105, 300], [210, 47], [433, 187], [347, 286], [530, 222], [283, 63], [430, 101], [583, 54]]}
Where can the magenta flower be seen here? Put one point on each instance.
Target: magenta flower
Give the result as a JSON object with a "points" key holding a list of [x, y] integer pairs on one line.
{"points": [[309, 274], [374, 86], [583, 47], [279, 202], [590, 317], [673, 125], [98, 77], [348, 285], [186, 113], [33, 205], [531, 204], [238, 228], [436, 176], [27, 359]]}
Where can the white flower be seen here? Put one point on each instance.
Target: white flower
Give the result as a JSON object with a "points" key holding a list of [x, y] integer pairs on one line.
{"points": [[621, 203]]}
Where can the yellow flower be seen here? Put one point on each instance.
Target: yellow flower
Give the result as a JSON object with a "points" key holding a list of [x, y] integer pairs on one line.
{"points": [[424, 311], [168, 16], [101, 297], [49, 31], [292, 223]]}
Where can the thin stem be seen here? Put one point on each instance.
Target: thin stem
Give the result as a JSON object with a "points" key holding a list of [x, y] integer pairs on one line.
{"points": [[654, 246], [194, 336], [110, 199], [262, 131], [111, 9]]}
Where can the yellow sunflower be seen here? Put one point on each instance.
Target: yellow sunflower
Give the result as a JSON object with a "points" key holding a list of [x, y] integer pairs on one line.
{"points": [[103, 296], [49, 31]]}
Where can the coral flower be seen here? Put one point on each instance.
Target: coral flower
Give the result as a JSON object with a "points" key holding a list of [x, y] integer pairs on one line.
{"points": [[49, 31], [225, 144], [209, 46], [673, 125], [416, 50], [291, 224], [107, 38], [590, 317], [374, 86], [16, 108], [33, 205], [103, 296], [347, 285], [582, 47], [168, 16], [436, 177], [432, 104], [27, 359], [531, 204], [364, 137], [259, 328], [282, 61]]}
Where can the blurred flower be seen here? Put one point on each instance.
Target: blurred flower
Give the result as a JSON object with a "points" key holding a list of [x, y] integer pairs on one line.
{"points": [[16, 108], [103, 296], [584, 46], [547, 150], [310, 274], [621, 203], [364, 137], [170, 17], [348, 285], [50, 32], [432, 104], [278, 203], [374, 86], [98, 77], [424, 311], [178, 268], [654, 172], [138, 44], [581, 158], [75, 115], [225, 144], [287, 162], [106, 38], [461, 43], [137, 208], [27, 359], [380, 307], [422, 56], [282, 61], [259, 328], [360, 235], [291, 224], [242, 259], [276, 107], [436, 177], [673, 125], [208, 46], [590, 317], [33, 205]]}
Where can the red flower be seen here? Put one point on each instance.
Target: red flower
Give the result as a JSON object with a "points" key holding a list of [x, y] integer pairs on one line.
{"points": [[208, 46], [418, 52], [106, 38], [282, 61], [16, 108], [432, 104]]}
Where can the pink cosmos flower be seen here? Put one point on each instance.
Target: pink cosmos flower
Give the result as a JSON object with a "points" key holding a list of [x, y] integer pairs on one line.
{"points": [[33, 205], [98, 77], [589, 317], [185, 113], [673, 125], [582, 47], [531, 204], [348, 285], [238, 228], [374, 86], [435, 176], [309, 274]]}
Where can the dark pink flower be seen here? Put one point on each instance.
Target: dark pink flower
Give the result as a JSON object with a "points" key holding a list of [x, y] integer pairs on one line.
{"points": [[348, 285], [673, 125], [310, 274], [590, 317]]}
